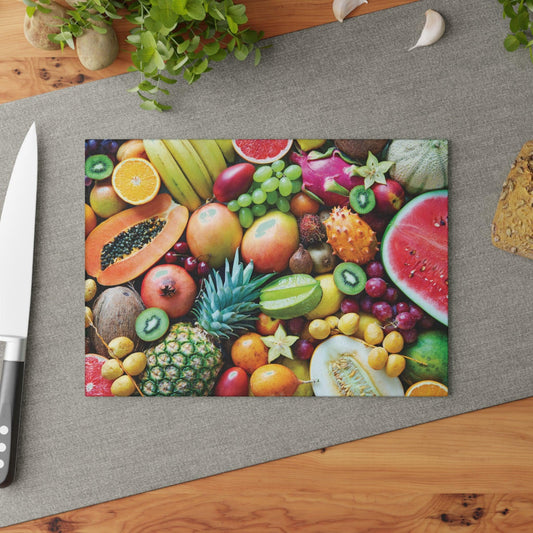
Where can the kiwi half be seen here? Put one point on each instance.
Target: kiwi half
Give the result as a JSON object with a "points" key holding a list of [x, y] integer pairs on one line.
{"points": [[151, 324], [349, 278], [98, 167], [362, 200]]}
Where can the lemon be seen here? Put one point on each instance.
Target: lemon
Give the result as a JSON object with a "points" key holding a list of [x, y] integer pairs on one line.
{"points": [[331, 299]]}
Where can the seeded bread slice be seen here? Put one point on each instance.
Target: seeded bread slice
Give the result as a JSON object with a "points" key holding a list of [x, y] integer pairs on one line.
{"points": [[512, 227]]}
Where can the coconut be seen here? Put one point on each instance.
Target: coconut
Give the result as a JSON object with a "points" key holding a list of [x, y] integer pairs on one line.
{"points": [[115, 312]]}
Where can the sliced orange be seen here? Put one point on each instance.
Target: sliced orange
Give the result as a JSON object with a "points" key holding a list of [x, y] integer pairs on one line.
{"points": [[136, 180], [427, 388]]}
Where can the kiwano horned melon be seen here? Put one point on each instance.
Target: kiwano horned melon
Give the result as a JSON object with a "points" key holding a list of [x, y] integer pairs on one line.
{"points": [[414, 252], [351, 238], [127, 244], [339, 367], [420, 165]]}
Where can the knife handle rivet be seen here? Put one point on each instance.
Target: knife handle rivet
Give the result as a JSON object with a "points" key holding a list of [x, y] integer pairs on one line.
{"points": [[3, 447], [4, 430], [1, 463]]}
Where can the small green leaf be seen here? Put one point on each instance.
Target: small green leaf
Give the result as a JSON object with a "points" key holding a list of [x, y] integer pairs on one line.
{"points": [[148, 40], [169, 81], [241, 53], [529, 4], [99, 29], [200, 68], [193, 45], [195, 9], [511, 43], [148, 105], [43, 9], [133, 39], [232, 25], [211, 48], [30, 11], [220, 55], [250, 36], [183, 46], [508, 11], [521, 36], [257, 57], [519, 21]]}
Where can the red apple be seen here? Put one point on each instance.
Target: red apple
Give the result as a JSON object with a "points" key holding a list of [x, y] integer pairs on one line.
{"points": [[266, 325], [233, 382], [390, 197]]}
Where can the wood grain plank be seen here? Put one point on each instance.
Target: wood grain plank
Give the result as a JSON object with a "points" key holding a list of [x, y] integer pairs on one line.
{"points": [[195, 511], [472, 471], [27, 71]]}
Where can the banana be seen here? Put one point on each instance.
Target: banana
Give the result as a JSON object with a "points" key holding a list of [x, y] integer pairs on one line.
{"points": [[171, 174], [192, 166], [227, 149], [211, 155]]}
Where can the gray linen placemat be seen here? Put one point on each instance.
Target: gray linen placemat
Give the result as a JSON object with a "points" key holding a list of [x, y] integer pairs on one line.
{"points": [[349, 80]]}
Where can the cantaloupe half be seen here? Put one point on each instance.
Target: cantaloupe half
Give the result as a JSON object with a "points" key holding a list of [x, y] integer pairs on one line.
{"points": [[112, 260], [339, 367]]}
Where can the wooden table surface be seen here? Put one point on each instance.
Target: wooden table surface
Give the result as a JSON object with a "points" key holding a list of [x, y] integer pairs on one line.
{"points": [[472, 472]]}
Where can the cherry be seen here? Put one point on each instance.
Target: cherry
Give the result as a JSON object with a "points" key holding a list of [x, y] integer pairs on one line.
{"points": [[181, 248], [190, 264]]}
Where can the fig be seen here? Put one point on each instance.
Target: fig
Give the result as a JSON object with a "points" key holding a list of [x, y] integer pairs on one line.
{"points": [[301, 261]]}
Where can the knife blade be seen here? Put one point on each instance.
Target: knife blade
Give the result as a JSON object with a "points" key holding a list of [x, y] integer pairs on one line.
{"points": [[17, 230]]}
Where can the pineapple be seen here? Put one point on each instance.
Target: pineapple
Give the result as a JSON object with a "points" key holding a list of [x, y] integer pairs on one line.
{"points": [[188, 360]]}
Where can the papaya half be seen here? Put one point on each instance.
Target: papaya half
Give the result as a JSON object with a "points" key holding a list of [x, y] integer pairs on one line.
{"points": [[130, 242]]}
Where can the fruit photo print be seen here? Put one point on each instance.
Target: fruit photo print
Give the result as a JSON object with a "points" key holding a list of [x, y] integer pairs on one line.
{"points": [[266, 267]]}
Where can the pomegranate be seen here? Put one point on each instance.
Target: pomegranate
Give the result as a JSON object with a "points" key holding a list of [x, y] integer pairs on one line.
{"points": [[169, 287]]}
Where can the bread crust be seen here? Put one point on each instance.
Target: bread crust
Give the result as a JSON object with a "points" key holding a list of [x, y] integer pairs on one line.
{"points": [[512, 227]]}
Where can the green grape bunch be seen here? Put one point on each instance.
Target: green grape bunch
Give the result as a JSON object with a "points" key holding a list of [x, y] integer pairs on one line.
{"points": [[272, 188], [171, 38]]}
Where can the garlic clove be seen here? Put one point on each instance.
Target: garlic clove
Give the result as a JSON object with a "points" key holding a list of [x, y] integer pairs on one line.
{"points": [[342, 8], [433, 29]]}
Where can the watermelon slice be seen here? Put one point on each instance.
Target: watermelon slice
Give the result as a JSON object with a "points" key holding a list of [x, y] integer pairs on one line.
{"points": [[414, 251], [262, 151], [95, 384]]}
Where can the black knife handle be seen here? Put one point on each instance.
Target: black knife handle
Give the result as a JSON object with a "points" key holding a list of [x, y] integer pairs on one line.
{"points": [[10, 404]]}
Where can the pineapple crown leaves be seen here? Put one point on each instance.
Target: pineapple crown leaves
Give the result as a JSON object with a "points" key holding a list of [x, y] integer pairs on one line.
{"points": [[226, 306], [374, 170]]}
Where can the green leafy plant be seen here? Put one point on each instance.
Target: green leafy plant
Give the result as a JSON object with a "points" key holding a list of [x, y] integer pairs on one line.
{"points": [[520, 13], [172, 38]]}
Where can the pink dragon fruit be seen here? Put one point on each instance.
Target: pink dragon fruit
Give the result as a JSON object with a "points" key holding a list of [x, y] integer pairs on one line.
{"points": [[329, 176]]}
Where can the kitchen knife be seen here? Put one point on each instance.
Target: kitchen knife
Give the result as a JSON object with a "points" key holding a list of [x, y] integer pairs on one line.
{"points": [[17, 229]]}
